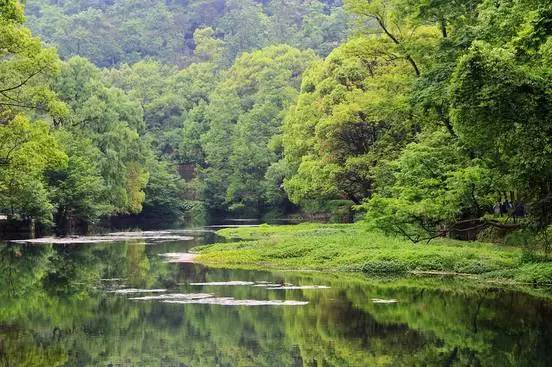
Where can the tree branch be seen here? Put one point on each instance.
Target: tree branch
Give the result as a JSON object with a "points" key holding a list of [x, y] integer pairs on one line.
{"points": [[397, 42], [24, 81]]}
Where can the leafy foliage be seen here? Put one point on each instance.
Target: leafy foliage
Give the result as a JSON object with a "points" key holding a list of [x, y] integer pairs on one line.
{"points": [[27, 151], [430, 114], [245, 116], [111, 33]]}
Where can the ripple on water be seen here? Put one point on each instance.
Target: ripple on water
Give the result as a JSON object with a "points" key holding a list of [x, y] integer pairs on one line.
{"points": [[230, 301], [112, 237], [210, 299], [296, 287], [384, 301], [268, 285], [133, 291], [222, 284], [179, 257], [173, 296]]}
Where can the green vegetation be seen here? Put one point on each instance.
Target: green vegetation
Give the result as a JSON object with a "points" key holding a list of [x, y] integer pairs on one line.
{"points": [[109, 33], [72, 147], [356, 248], [431, 121], [424, 119], [159, 112]]}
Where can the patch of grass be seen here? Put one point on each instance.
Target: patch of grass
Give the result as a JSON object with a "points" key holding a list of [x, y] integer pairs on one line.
{"points": [[353, 248], [537, 273]]}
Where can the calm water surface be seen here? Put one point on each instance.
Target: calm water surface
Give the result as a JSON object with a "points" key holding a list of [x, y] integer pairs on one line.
{"points": [[75, 305]]}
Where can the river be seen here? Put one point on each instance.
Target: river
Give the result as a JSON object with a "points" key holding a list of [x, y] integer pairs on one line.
{"points": [[123, 301]]}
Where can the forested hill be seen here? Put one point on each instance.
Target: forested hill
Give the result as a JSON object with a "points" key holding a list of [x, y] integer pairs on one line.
{"points": [[424, 117], [161, 111], [111, 32]]}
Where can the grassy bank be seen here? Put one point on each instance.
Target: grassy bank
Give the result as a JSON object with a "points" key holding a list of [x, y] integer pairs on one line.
{"points": [[353, 248]]}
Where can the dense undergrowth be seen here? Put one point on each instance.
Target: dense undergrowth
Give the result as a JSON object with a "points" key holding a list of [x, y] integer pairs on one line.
{"points": [[354, 248]]}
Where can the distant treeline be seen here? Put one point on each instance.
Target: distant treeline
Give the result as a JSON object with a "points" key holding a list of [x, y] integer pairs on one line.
{"points": [[112, 32]]}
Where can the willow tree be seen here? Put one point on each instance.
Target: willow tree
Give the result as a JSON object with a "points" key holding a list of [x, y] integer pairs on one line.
{"points": [[27, 148], [113, 121]]}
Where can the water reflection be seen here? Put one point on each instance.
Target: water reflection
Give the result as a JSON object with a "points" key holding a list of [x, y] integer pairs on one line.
{"points": [[58, 308]]}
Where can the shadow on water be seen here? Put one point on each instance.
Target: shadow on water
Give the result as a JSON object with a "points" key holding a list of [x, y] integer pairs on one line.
{"points": [[70, 305]]}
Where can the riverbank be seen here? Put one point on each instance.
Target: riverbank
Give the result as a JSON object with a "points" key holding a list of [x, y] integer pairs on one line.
{"points": [[353, 248]]}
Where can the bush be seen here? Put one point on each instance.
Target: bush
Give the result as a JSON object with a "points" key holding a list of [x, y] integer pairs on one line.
{"points": [[544, 240], [520, 238], [491, 234]]}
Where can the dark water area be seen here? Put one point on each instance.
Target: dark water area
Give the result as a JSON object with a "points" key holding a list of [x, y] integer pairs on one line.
{"points": [[123, 303]]}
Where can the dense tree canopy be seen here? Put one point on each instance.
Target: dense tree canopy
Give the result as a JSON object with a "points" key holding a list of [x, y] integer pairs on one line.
{"points": [[113, 32], [245, 115], [496, 110], [352, 111], [442, 114], [419, 114], [27, 148]]}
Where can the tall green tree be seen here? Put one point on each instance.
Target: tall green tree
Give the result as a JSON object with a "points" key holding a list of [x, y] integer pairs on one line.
{"points": [[352, 112], [486, 88], [245, 116], [27, 151], [114, 123]]}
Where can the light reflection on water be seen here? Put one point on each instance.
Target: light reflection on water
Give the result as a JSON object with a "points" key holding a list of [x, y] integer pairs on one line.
{"points": [[79, 305]]}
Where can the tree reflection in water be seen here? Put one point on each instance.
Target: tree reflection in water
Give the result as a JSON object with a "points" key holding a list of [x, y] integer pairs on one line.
{"points": [[56, 311]]}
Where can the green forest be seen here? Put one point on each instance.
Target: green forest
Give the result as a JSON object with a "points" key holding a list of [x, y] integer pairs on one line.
{"points": [[422, 118]]}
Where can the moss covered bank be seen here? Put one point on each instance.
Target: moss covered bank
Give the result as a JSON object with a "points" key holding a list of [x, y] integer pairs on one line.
{"points": [[354, 248]]}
